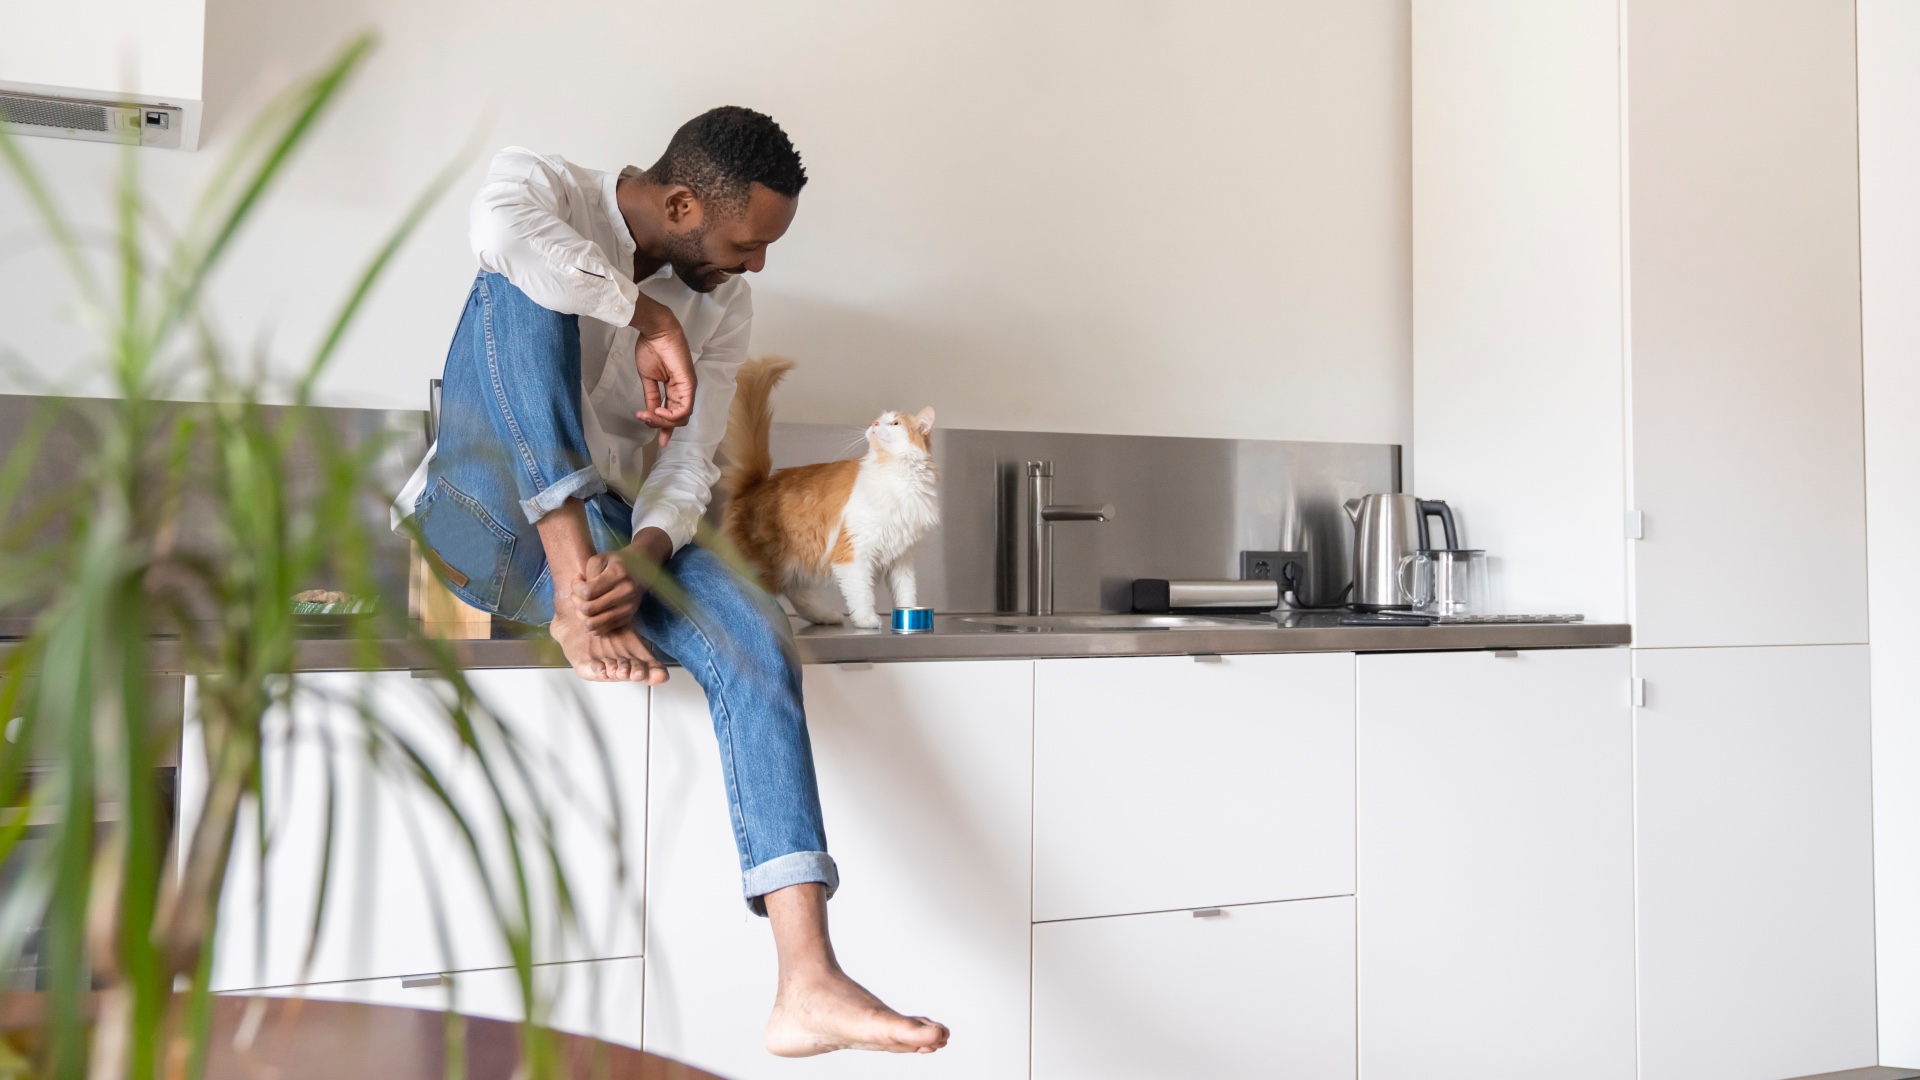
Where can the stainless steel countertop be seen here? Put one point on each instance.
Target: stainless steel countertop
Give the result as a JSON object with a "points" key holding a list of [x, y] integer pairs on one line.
{"points": [[954, 639]]}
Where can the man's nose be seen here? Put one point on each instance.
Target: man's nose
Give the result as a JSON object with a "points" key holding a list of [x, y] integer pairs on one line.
{"points": [[756, 261]]}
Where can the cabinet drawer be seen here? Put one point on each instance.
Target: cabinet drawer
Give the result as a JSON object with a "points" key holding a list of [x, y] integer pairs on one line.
{"points": [[1259, 991], [600, 998], [387, 841], [1162, 782], [403, 894]]}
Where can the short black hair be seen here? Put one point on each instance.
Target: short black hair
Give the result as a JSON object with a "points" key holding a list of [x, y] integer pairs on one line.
{"points": [[723, 152]]}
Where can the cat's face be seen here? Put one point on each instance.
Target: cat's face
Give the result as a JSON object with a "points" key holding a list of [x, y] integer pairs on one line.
{"points": [[899, 433]]}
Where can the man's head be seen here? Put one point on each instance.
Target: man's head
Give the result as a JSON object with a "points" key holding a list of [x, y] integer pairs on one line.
{"points": [[731, 178]]}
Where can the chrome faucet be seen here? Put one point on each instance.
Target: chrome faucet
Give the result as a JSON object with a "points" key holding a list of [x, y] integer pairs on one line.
{"points": [[1041, 514]]}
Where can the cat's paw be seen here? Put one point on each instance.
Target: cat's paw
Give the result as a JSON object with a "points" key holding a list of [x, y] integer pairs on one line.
{"points": [[865, 620]]}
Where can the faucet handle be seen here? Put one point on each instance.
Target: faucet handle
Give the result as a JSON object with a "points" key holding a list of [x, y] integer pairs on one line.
{"points": [[1084, 512]]}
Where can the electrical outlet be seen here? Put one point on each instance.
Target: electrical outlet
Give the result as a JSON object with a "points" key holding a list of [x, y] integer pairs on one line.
{"points": [[1271, 565]]}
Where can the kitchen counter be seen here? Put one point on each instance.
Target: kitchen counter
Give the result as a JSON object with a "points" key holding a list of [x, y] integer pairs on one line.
{"points": [[955, 638]]}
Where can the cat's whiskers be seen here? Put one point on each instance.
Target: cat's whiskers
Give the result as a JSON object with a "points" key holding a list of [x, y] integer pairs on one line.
{"points": [[859, 443]]}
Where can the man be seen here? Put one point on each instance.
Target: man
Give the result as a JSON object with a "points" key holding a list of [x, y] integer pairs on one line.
{"points": [[608, 310]]}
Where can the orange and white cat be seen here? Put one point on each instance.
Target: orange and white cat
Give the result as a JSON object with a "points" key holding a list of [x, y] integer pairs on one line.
{"points": [[846, 522]]}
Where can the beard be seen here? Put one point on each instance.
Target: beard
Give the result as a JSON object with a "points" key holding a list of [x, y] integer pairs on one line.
{"points": [[689, 261]]}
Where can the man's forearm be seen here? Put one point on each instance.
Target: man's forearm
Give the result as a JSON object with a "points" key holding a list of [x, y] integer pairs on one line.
{"points": [[654, 543]]}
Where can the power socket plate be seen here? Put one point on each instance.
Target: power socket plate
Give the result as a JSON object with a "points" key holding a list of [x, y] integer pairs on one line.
{"points": [[1269, 565]]}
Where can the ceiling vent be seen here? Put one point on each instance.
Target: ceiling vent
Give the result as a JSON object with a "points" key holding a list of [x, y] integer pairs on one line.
{"points": [[121, 122]]}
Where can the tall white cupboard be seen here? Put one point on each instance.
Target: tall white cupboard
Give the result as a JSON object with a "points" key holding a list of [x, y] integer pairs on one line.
{"points": [[1638, 380], [1890, 337]]}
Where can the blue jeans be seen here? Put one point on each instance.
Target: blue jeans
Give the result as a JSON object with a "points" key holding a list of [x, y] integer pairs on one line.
{"points": [[513, 448]]}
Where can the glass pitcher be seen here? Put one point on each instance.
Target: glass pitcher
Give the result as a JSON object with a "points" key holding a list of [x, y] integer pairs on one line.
{"points": [[1445, 582]]}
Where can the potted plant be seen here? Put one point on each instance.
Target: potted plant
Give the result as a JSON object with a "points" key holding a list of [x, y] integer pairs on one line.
{"points": [[182, 543]]}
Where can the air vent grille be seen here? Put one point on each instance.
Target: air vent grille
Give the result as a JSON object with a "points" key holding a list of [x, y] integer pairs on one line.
{"points": [[126, 122], [45, 112]]}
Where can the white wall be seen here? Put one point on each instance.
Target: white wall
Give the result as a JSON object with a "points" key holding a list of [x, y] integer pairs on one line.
{"points": [[144, 47], [1518, 374], [1890, 283], [1144, 218]]}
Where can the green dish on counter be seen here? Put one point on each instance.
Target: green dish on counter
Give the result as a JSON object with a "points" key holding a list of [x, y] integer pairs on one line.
{"points": [[327, 602]]}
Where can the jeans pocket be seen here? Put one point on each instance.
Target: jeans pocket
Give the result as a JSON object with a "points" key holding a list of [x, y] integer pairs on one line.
{"points": [[476, 549]]}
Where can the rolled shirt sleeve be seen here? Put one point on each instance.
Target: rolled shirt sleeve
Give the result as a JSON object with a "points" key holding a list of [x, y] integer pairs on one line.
{"points": [[678, 489], [517, 225]]}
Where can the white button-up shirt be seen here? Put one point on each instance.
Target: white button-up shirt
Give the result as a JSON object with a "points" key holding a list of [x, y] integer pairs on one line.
{"points": [[554, 229]]}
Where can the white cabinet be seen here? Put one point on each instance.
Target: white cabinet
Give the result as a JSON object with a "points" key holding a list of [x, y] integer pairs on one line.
{"points": [[925, 779], [1495, 865], [601, 998], [1719, 391], [1519, 400], [1262, 990], [1755, 863], [1163, 782], [403, 897], [1890, 279], [582, 748], [388, 845], [1747, 440]]}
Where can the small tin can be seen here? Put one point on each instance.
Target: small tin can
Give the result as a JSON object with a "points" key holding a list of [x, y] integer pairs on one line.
{"points": [[912, 620]]}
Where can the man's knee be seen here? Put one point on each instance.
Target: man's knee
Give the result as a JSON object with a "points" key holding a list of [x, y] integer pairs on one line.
{"points": [[535, 332]]}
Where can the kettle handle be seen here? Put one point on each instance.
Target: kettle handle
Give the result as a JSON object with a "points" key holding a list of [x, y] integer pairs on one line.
{"points": [[1437, 507]]}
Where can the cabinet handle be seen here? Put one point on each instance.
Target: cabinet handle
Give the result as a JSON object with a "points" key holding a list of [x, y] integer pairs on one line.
{"points": [[424, 980], [1207, 912], [1506, 654], [1207, 658], [855, 665]]}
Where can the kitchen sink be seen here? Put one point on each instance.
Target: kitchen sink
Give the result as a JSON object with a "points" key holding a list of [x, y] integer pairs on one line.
{"points": [[1119, 621]]}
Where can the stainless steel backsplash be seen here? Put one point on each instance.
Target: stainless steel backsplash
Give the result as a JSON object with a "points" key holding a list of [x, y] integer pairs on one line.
{"points": [[54, 468], [1185, 508]]}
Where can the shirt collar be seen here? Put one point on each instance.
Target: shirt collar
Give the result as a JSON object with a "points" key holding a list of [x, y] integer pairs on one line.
{"points": [[620, 233]]}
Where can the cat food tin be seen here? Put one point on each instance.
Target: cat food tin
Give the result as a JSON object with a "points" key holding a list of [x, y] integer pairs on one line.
{"points": [[912, 620]]}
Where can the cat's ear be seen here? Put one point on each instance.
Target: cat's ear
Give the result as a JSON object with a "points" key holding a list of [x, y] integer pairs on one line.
{"points": [[924, 420]]}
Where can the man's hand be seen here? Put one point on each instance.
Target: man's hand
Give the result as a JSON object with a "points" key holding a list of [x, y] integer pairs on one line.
{"points": [[608, 595], [665, 365]]}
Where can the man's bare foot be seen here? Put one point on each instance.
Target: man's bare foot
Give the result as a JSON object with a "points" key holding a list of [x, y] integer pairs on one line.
{"points": [[823, 1011], [818, 1009], [618, 656]]}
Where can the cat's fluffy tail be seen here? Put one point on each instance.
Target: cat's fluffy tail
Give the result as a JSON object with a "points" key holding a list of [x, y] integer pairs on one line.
{"points": [[745, 445]]}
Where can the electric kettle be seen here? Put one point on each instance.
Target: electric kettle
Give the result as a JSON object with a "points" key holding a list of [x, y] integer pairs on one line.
{"points": [[1387, 529]]}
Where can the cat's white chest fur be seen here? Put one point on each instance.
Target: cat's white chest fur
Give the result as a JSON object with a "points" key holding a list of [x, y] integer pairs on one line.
{"points": [[893, 505]]}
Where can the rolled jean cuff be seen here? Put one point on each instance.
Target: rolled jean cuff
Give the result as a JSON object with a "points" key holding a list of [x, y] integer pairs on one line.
{"points": [[582, 485], [798, 868]]}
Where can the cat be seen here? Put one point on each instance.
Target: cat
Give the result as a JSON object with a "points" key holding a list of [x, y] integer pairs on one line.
{"points": [[844, 521]]}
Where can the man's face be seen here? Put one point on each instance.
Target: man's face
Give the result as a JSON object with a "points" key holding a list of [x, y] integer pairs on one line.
{"points": [[717, 246]]}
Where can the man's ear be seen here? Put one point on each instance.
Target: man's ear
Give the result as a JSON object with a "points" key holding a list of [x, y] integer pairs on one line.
{"points": [[683, 206], [924, 420]]}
